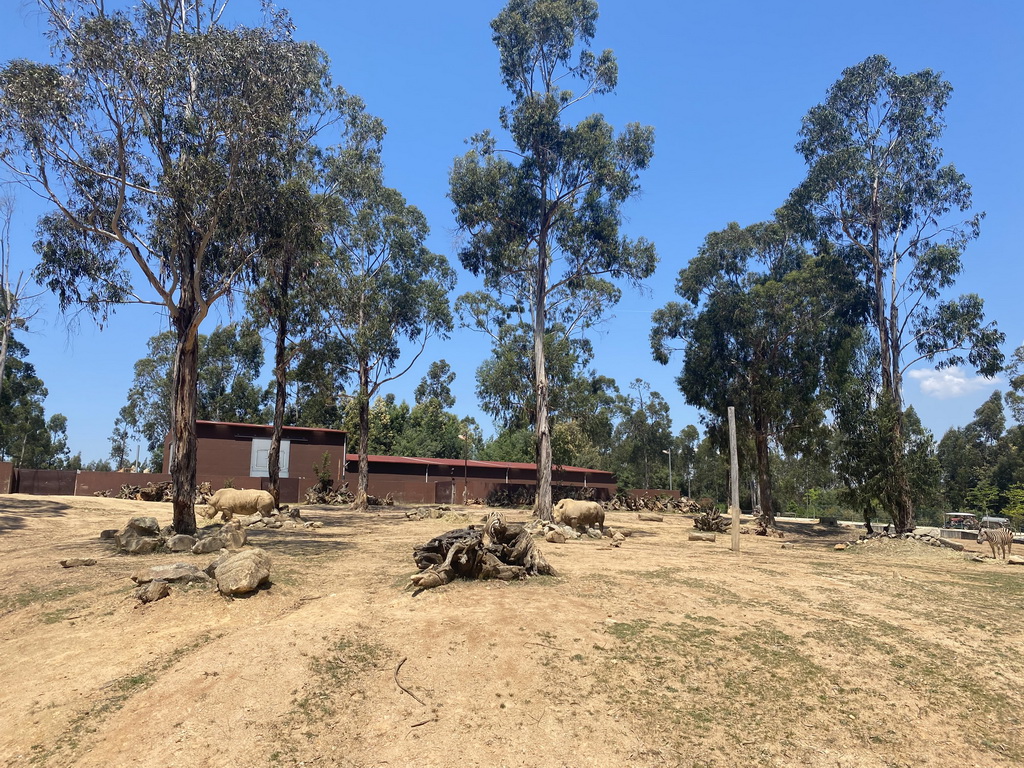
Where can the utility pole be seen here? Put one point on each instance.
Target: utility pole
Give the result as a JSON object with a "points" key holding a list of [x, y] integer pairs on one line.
{"points": [[669, 452]]}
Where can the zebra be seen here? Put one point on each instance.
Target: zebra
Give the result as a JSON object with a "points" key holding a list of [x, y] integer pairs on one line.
{"points": [[997, 537]]}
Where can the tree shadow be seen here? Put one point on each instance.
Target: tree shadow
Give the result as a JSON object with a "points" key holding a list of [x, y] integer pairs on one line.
{"points": [[15, 513]]}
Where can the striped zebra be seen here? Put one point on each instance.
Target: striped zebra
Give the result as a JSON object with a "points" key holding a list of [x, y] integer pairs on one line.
{"points": [[997, 537]]}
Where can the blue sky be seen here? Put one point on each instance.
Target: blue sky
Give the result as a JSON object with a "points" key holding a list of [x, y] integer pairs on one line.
{"points": [[725, 86]]}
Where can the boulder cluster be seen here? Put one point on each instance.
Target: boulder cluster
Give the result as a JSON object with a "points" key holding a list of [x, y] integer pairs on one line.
{"points": [[238, 569], [556, 533]]}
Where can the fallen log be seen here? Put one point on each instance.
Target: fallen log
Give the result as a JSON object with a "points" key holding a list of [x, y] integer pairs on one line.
{"points": [[694, 536]]}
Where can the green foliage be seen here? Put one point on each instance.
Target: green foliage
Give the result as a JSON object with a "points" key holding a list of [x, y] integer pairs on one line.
{"points": [[436, 385], [644, 431], [229, 362], [762, 320], [27, 437], [982, 498]]}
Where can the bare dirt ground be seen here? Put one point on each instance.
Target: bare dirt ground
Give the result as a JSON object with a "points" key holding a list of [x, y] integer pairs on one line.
{"points": [[663, 652]]}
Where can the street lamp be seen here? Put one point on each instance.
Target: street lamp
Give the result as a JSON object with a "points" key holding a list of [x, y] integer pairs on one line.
{"points": [[669, 452], [465, 470]]}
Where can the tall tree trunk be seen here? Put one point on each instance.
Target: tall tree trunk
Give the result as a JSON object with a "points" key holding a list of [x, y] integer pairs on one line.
{"points": [[764, 477], [281, 379], [361, 501], [542, 504], [183, 425]]}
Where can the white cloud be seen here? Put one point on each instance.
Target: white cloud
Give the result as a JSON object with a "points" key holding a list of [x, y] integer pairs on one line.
{"points": [[950, 382]]}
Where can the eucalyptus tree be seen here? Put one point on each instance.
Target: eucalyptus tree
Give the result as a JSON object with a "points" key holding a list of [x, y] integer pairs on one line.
{"points": [[156, 133], [291, 237], [17, 301], [760, 320], [877, 186], [542, 218], [377, 286]]}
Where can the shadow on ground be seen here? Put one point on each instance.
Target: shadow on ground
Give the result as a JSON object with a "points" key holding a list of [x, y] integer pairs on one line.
{"points": [[16, 513]]}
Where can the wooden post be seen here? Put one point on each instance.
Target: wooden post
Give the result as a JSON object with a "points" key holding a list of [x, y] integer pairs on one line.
{"points": [[734, 481]]}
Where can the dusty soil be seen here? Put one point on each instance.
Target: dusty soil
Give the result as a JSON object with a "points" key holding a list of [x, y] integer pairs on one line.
{"points": [[663, 652]]}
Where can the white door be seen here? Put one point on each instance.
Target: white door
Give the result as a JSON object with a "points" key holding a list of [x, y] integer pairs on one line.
{"points": [[259, 462]]}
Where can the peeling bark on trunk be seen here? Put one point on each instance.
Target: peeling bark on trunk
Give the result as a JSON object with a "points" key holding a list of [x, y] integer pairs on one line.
{"points": [[281, 379], [361, 501], [764, 480], [542, 504], [183, 425]]}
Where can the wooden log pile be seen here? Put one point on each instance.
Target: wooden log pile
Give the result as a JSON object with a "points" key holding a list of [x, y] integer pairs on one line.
{"points": [[329, 496], [711, 521], [682, 505], [499, 551]]}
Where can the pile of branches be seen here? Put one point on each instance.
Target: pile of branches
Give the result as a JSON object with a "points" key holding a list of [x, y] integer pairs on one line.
{"points": [[510, 495], [155, 492], [377, 501], [329, 496], [500, 551], [682, 505], [710, 520]]}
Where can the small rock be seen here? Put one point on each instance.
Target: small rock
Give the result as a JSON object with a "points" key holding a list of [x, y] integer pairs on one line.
{"points": [[75, 562], [234, 535], [152, 591], [555, 537], [109, 533], [595, 533], [213, 543], [248, 520], [840, 547]]}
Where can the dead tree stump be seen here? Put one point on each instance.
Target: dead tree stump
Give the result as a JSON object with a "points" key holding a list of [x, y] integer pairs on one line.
{"points": [[508, 553]]}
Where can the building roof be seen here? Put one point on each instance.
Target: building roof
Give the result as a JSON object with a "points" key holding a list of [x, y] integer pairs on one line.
{"points": [[471, 463], [270, 426]]}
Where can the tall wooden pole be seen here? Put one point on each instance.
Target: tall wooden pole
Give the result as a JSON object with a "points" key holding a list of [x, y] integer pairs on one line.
{"points": [[734, 481]]}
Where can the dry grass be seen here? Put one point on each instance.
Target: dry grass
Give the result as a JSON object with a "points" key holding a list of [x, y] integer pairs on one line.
{"points": [[662, 652]]}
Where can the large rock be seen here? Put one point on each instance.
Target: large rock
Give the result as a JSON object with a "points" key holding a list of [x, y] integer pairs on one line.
{"points": [[181, 542], [140, 536], [243, 572], [178, 573]]}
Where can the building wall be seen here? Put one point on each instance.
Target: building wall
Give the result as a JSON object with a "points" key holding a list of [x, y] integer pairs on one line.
{"points": [[6, 477]]}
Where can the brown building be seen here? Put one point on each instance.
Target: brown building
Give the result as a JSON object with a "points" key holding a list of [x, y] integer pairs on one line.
{"points": [[453, 481], [236, 454]]}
